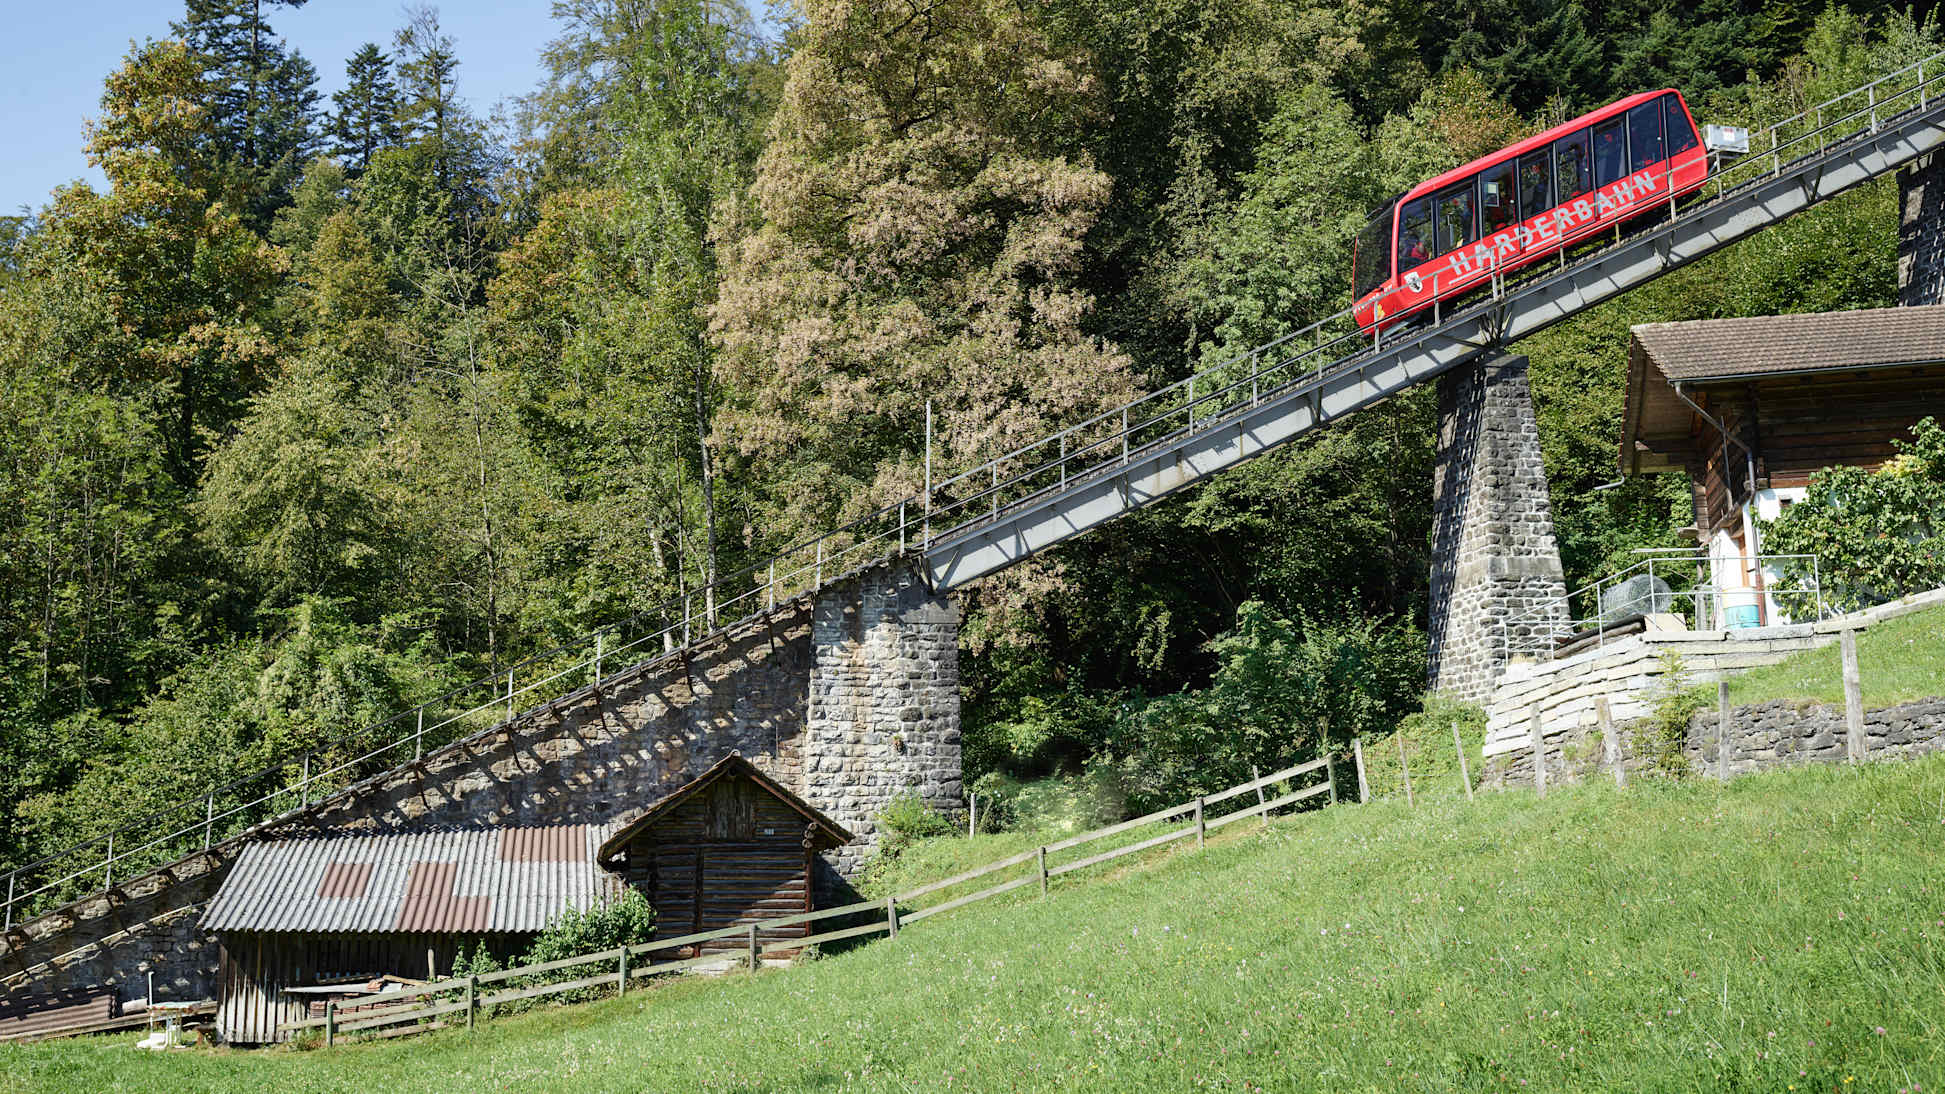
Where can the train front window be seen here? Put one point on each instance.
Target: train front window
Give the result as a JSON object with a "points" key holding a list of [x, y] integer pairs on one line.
{"points": [[1610, 152], [1496, 204], [1681, 131], [1454, 222], [1573, 172], [1644, 136], [1371, 261], [1534, 191], [1415, 234]]}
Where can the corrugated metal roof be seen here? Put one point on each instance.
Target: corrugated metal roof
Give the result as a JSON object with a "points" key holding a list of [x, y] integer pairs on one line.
{"points": [[462, 880], [1708, 349]]}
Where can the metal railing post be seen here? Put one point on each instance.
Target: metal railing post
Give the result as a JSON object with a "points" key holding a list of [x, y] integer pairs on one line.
{"points": [[600, 653], [509, 695], [108, 881], [817, 583], [304, 785], [1063, 459], [418, 736], [209, 818], [1124, 433], [11, 878], [928, 476], [993, 490], [901, 526]]}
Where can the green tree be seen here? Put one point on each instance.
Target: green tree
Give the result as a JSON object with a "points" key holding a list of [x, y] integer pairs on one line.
{"points": [[365, 118], [262, 102]]}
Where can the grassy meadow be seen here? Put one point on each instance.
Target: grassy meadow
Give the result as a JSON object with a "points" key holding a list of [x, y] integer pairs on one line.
{"points": [[1786, 932], [1897, 661]]}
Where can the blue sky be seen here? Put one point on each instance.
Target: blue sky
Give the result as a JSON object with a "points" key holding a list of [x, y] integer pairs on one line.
{"points": [[56, 52]]}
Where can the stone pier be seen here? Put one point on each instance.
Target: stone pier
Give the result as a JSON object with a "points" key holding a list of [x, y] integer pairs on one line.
{"points": [[1493, 551], [1921, 232]]}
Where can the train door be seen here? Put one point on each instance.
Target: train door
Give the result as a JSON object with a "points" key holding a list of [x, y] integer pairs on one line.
{"points": [[1499, 211]]}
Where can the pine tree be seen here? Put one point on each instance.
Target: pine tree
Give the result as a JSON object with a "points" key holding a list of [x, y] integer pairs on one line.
{"points": [[262, 104], [431, 114], [366, 115]]}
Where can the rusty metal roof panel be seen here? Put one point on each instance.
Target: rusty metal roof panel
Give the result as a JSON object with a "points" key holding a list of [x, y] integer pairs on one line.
{"points": [[459, 880]]}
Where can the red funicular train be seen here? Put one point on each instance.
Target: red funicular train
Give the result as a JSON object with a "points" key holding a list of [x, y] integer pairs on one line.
{"points": [[1520, 204]]}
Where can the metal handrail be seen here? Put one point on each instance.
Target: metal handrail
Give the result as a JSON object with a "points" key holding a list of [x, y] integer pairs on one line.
{"points": [[1166, 415]]}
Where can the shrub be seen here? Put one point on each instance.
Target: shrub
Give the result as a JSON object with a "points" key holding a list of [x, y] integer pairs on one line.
{"points": [[1876, 535], [1661, 737], [906, 819]]}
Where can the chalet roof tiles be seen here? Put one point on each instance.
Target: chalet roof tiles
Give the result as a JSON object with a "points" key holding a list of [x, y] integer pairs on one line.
{"points": [[1717, 349], [457, 880]]}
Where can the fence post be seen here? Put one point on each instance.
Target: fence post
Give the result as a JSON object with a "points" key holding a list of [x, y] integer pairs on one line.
{"points": [[12, 876], [756, 958], [1254, 775], [1611, 741], [418, 736], [600, 651], [1404, 766], [472, 998], [330, 1022], [108, 881], [1201, 827], [621, 974], [891, 914], [1363, 783], [304, 787], [1043, 869], [509, 695], [925, 531], [1853, 699], [1539, 745], [1458, 746], [972, 814], [1722, 730], [1330, 775], [209, 817]]}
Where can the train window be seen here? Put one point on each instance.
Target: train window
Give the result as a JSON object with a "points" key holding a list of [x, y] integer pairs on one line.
{"points": [[1644, 136], [1534, 196], [1414, 234], [1370, 264], [1497, 207], [1454, 223], [1573, 174], [1681, 131], [1610, 151]]}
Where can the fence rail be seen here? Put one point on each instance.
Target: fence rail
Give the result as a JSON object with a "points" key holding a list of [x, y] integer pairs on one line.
{"points": [[955, 506], [420, 1004]]}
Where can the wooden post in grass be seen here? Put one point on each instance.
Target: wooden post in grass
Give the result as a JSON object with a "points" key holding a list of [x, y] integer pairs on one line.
{"points": [[1201, 830], [891, 915], [1610, 741], [1458, 746], [330, 1023], [1330, 776], [1404, 767], [1539, 744], [1043, 857], [621, 973], [1853, 699], [1255, 775], [1722, 730], [755, 956], [1363, 784], [472, 998]]}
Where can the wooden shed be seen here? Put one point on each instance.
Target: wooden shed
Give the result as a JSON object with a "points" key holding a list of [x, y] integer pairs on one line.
{"points": [[346, 909], [731, 847]]}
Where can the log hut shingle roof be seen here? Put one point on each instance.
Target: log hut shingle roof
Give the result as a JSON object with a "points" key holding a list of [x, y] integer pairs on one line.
{"points": [[831, 834], [1767, 345]]}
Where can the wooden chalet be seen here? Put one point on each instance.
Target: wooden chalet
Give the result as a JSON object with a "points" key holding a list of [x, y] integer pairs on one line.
{"points": [[731, 847], [1750, 408]]}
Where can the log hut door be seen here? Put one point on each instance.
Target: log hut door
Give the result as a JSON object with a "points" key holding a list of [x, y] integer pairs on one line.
{"points": [[728, 816]]}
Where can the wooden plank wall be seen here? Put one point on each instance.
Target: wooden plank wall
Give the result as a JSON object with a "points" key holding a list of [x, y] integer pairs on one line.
{"points": [[731, 854], [255, 967]]}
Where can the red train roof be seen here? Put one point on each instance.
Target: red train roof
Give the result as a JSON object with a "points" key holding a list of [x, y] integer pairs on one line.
{"points": [[1538, 140]]}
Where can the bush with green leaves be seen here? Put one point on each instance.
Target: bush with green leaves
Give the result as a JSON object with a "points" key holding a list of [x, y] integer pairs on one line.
{"points": [[906, 819], [1284, 690], [1876, 535], [1661, 737], [626, 921]]}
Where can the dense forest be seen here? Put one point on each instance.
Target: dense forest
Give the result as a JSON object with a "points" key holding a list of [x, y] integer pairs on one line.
{"points": [[323, 405]]}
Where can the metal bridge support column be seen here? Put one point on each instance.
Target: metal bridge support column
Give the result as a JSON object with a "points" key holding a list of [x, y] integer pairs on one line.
{"points": [[1493, 553], [883, 713], [1921, 232]]}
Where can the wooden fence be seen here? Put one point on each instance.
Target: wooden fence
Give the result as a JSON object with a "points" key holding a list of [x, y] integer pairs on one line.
{"points": [[461, 999]]}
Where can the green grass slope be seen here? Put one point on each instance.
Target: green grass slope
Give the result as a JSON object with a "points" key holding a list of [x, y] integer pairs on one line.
{"points": [[1786, 932], [1897, 661]]}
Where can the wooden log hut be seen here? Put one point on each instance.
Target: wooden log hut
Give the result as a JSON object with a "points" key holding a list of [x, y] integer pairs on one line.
{"points": [[729, 848]]}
